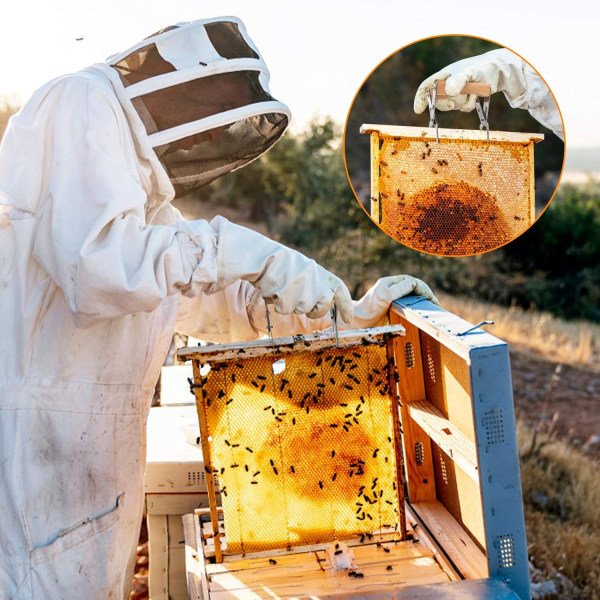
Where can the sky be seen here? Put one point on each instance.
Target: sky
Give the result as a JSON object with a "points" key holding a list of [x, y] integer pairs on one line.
{"points": [[318, 52]]}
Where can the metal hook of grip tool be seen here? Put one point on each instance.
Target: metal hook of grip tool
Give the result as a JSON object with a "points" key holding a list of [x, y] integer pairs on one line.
{"points": [[431, 103], [476, 327], [483, 111], [279, 365], [334, 324]]}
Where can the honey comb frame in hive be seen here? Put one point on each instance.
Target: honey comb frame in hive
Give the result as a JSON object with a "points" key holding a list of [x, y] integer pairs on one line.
{"points": [[304, 456], [460, 196]]}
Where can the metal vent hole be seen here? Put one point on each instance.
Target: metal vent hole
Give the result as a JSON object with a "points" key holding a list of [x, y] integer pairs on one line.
{"points": [[444, 470], [506, 549], [409, 355], [195, 477], [493, 422], [419, 453]]}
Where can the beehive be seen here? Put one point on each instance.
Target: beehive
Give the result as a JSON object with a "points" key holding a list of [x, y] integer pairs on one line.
{"points": [[310, 454], [459, 196]]}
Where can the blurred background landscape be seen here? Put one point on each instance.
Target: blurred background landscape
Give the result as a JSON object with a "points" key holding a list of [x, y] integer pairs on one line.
{"points": [[542, 290]]}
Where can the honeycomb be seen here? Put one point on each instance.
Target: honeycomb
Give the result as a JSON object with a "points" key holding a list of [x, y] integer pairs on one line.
{"points": [[307, 455], [456, 197]]}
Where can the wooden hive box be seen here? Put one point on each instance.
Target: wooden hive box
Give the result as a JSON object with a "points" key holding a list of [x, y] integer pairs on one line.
{"points": [[462, 195], [458, 534]]}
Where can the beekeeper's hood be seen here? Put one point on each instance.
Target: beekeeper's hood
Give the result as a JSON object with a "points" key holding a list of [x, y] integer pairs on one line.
{"points": [[202, 92]]}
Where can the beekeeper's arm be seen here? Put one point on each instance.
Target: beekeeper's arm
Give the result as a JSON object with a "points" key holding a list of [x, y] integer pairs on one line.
{"points": [[94, 243], [505, 72], [237, 313]]}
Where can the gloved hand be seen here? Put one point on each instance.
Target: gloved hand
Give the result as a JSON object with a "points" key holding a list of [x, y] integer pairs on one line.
{"points": [[505, 72], [372, 309], [284, 277]]}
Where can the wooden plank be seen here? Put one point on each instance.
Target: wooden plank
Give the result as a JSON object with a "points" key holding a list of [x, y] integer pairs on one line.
{"points": [[481, 89], [428, 133], [465, 554], [393, 379], [376, 212], [421, 534], [387, 536], [531, 185], [369, 553], [207, 459], [287, 345], [447, 436], [419, 465], [384, 586], [158, 565], [194, 560]]}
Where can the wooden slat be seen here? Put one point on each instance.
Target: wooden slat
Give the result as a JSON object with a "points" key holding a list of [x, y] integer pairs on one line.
{"points": [[531, 186], [287, 345], [428, 133], [194, 559], [206, 456], [376, 213], [420, 477], [465, 554], [481, 89], [447, 436]]}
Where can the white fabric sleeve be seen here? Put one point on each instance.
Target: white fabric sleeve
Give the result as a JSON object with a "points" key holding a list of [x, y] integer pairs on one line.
{"points": [[92, 237]]}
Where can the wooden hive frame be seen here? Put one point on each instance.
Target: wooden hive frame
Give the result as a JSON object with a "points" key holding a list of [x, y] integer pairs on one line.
{"points": [[413, 185], [464, 509]]}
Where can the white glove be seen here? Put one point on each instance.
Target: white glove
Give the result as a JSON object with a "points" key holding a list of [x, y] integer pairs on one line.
{"points": [[505, 72], [372, 309], [284, 277]]}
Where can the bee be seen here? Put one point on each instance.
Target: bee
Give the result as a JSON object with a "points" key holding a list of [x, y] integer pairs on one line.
{"points": [[517, 218], [423, 156], [246, 467], [389, 568], [254, 483], [262, 388], [338, 552], [479, 168], [312, 375], [229, 401], [429, 152], [382, 163], [275, 471], [332, 453], [334, 477], [386, 550], [255, 474], [220, 394], [375, 452], [321, 484], [272, 561], [266, 408], [333, 425], [292, 469]]}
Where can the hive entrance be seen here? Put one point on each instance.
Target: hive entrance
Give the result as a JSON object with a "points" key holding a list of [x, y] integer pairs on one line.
{"points": [[308, 455], [460, 196]]}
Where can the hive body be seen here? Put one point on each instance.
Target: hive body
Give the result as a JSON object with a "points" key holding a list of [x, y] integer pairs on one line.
{"points": [[463, 195]]}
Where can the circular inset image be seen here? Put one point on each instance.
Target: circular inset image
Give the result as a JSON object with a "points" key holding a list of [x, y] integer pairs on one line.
{"points": [[440, 160]]}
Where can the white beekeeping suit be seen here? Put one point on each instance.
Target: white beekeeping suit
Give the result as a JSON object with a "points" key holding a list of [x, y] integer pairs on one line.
{"points": [[93, 260]]}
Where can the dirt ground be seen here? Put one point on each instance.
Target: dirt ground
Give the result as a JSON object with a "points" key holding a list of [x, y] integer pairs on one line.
{"points": [[559, 398]]}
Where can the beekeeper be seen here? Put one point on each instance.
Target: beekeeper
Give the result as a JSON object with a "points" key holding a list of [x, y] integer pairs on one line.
{"points": [[506, 72], [94, 261]]}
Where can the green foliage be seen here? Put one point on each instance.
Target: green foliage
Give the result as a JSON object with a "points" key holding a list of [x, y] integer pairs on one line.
{"points": [[299, 189]]}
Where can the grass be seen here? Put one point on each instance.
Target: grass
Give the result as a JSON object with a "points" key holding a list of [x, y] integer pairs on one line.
{"points": [[561, 488], [568, 342]]}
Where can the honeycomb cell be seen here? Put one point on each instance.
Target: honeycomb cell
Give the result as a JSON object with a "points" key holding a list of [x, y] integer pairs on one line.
{"points": [[457, 197], [307, 455]]}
